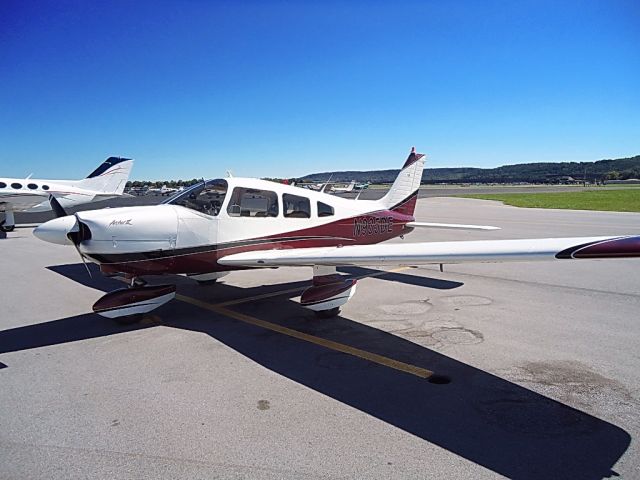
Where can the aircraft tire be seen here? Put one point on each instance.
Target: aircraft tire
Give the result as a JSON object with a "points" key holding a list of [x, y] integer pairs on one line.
{"points": [[6, 228], [330, 313], [129, 319]]}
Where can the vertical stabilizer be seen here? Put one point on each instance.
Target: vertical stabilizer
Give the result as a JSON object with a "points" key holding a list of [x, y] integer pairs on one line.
{"points": [[403, 193], [110, 177]]}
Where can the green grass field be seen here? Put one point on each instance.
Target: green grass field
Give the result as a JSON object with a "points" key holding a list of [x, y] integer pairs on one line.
{"points": [[626, 200]]}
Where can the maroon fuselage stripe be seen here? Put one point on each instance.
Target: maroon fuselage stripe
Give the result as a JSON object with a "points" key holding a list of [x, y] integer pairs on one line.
{"points": [[370, 228]]}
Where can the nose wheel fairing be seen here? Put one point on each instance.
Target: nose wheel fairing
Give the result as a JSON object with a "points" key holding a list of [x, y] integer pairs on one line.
{"points": [[127, 302]]}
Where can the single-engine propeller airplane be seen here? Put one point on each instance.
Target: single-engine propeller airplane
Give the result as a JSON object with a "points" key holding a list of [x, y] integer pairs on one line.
{"points": [[346, 189], [31, 195], [238, 223]]}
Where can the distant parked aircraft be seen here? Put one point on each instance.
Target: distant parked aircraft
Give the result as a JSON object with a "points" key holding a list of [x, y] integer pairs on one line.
{"points": [[163, 190], [347, 189]]}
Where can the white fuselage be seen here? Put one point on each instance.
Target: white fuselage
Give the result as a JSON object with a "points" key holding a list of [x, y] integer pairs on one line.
{"points": [[167, 226], [32, 194]]}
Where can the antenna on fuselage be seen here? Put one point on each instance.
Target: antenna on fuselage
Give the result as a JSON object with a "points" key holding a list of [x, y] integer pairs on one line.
{"points": [[324, 187], [229, 174]]}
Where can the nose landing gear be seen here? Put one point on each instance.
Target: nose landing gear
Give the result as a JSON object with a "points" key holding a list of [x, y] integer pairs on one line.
{"points": [[127, 305]]}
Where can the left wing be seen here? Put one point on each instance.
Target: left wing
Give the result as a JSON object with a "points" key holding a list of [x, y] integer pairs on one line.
{"points": [[442, 252]]}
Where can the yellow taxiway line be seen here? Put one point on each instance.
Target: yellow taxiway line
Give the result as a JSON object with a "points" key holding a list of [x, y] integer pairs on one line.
{"points": [[330, 344]]}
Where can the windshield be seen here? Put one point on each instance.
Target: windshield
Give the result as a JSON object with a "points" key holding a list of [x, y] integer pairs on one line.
{"points": [[205, 197]]}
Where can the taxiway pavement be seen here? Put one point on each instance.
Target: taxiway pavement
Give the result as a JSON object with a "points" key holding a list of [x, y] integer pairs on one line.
{"points": [[236, 380]]}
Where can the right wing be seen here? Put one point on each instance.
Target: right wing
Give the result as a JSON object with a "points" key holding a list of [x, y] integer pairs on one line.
{"points": [[453, 226], [442, 252]]}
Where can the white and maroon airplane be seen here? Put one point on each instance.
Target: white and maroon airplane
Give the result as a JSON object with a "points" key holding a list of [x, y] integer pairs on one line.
{"points": [[240, 223]]}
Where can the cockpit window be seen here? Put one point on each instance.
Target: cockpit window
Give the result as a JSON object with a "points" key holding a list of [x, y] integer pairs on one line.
{"points": [[251, 202], [205, 197]]}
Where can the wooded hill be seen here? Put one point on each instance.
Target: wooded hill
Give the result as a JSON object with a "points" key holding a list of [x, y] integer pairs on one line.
{"points": [[618, 169]]}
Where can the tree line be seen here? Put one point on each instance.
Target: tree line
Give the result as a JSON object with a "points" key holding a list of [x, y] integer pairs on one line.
{"points": [[541, 172]]}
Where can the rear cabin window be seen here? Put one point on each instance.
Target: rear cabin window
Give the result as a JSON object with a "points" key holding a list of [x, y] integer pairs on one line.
{"points": [[324, 210], [45, 187], [295, 206], [251, 202], [16, 185], [32, 186], [205, 197]]}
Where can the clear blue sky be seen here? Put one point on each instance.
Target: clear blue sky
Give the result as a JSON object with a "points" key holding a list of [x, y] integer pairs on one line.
{"points": [[266, 88]]}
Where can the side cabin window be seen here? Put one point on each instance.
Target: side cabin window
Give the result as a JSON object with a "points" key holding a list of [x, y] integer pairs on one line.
{"points": [[205, 197], [324, 210], [295, 206], [251, 202], [3, 185], [17, 186]]}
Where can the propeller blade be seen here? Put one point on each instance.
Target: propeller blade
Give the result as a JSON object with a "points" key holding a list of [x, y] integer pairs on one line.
{"points": [[56, 207], [75, 235], [83, 260]]}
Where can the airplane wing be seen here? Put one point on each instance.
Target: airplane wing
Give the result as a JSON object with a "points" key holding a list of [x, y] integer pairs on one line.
{"points": [[442, 252]]}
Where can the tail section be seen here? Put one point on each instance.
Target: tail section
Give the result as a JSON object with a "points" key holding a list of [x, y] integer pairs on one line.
{"points": [[110, 177], [403, 194], [351, 186]]}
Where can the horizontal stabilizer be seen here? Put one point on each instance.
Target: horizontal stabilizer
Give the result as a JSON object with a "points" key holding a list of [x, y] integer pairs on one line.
{"points": [[453, 226]]}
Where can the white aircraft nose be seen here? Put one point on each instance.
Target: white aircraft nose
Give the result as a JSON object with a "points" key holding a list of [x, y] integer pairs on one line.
{"points": [[56, 230]]}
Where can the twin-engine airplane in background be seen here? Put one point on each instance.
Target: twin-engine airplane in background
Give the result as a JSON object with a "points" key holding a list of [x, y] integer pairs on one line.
{"points": [[239, 223], [31, 195]]}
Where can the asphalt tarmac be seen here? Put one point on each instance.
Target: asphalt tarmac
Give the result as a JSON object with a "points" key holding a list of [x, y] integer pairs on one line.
{"points": [[536, 367]]}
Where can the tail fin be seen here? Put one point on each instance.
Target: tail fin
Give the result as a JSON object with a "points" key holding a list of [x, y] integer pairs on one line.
{"points": [[110, 177], [403, 194]]}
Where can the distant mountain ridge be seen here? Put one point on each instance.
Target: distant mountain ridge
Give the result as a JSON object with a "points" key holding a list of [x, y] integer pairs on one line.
{"points": [[543, 172]]}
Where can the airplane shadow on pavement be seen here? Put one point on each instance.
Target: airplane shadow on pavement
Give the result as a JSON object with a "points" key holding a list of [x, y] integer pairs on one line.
{"points": [[483, 418]]}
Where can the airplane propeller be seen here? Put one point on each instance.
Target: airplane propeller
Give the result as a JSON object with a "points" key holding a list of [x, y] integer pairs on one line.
{"points": [[75, 234]]}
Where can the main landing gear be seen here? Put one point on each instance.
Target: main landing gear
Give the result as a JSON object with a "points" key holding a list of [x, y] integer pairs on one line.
{"points": [[328, 292], [9, 222]]}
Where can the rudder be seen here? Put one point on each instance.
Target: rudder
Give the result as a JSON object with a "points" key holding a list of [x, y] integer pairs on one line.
{"points": [[403, 194], [110, 177]]}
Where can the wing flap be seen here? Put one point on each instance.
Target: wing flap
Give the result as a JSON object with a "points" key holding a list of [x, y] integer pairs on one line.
{"points": [[442, 252], [453, 226]]}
